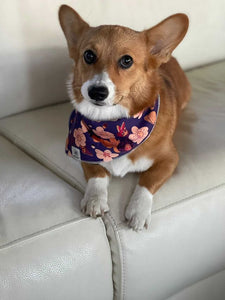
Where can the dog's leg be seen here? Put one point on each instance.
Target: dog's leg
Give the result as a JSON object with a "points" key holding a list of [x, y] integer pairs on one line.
{"points": [[95, 198], [138, 211]]}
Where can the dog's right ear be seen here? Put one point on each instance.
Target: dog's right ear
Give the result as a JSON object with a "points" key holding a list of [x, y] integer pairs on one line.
{"points": [[72, 25]]}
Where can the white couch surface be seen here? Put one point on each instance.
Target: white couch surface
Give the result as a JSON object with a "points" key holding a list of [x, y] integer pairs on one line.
{"points": [[34, 60], [48, 249], [32, 198], [186, 240]]}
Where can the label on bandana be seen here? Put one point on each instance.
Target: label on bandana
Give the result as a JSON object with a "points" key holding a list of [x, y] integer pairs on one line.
{"points": [[97, 141]]}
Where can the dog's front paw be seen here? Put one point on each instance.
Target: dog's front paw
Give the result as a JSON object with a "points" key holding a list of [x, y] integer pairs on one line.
{"points": [[138, 211], [95, 199], [94, 205]]}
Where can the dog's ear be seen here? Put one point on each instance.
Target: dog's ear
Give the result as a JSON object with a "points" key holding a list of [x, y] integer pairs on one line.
{"points": [[72, 25], [165, 36]]}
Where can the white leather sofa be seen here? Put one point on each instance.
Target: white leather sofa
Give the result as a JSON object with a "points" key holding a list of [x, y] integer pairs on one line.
{"points": [[48, 249]]}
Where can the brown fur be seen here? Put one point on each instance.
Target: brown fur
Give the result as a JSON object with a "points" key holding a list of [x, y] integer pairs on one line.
{"points": [[154, 72]]}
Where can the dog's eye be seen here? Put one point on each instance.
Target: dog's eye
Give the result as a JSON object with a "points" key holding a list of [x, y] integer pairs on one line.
{"points": [[126, 62], [90, 57]]}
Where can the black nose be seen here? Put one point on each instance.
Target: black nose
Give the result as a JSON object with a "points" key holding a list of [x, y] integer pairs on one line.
{"points": [[98, 93]]}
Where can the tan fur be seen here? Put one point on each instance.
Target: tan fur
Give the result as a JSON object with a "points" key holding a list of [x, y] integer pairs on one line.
{"points": [[154, 72], [93, 170]]}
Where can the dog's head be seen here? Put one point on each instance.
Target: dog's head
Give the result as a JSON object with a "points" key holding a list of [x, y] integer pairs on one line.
{"points": [[115, 68]]}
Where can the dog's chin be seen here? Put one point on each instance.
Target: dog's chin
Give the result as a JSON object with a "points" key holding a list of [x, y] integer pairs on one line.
{"points": [[100, 112]]}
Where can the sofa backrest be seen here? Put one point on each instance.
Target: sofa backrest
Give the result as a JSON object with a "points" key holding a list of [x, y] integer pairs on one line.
{"points": [[33, 57]]}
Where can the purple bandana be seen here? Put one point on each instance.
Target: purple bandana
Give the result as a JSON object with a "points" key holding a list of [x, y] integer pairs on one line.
{"points": [[97, 141]]}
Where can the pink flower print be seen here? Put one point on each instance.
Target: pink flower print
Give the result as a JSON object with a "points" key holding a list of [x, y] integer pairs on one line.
{"points": [[138, 134], [151, 118], [139, 114], [107, 155], [80, 139], [99, 131]]}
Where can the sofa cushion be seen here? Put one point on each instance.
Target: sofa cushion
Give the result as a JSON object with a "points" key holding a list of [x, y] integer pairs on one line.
{"points": [[42, 133], [184, 244], [68, 262], [45, 242], [32, 198]]}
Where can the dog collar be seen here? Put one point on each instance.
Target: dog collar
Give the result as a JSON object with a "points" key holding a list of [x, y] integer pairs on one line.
{"points": [[101, 141]]}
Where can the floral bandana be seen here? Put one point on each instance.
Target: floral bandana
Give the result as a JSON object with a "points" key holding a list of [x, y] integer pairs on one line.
{"points": [[102, 141]]}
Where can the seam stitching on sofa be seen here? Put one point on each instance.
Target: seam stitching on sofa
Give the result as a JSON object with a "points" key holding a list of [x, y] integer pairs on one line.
{"points": [[123, 277], [41, 159], [121, 253], [40, 232], [104, 229]]}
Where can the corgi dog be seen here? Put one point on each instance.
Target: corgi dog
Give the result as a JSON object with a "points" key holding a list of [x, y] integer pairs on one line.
{"points": [[128, 92]]}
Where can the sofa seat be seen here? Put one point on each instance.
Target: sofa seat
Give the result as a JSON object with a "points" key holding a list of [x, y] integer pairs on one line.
{"points": [[186, 240], [45, 242]]}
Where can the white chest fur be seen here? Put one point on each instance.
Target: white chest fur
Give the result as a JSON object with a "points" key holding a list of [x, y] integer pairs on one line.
{"points": [[123, 165]]}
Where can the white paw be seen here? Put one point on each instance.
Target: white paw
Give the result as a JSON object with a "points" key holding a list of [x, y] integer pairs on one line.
{"points": [[138, 211], [95, 199], [94, 206]]}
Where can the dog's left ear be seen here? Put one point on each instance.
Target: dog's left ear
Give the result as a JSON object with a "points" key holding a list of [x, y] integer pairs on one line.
{"points": [[72, 25], [165, 36]]}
